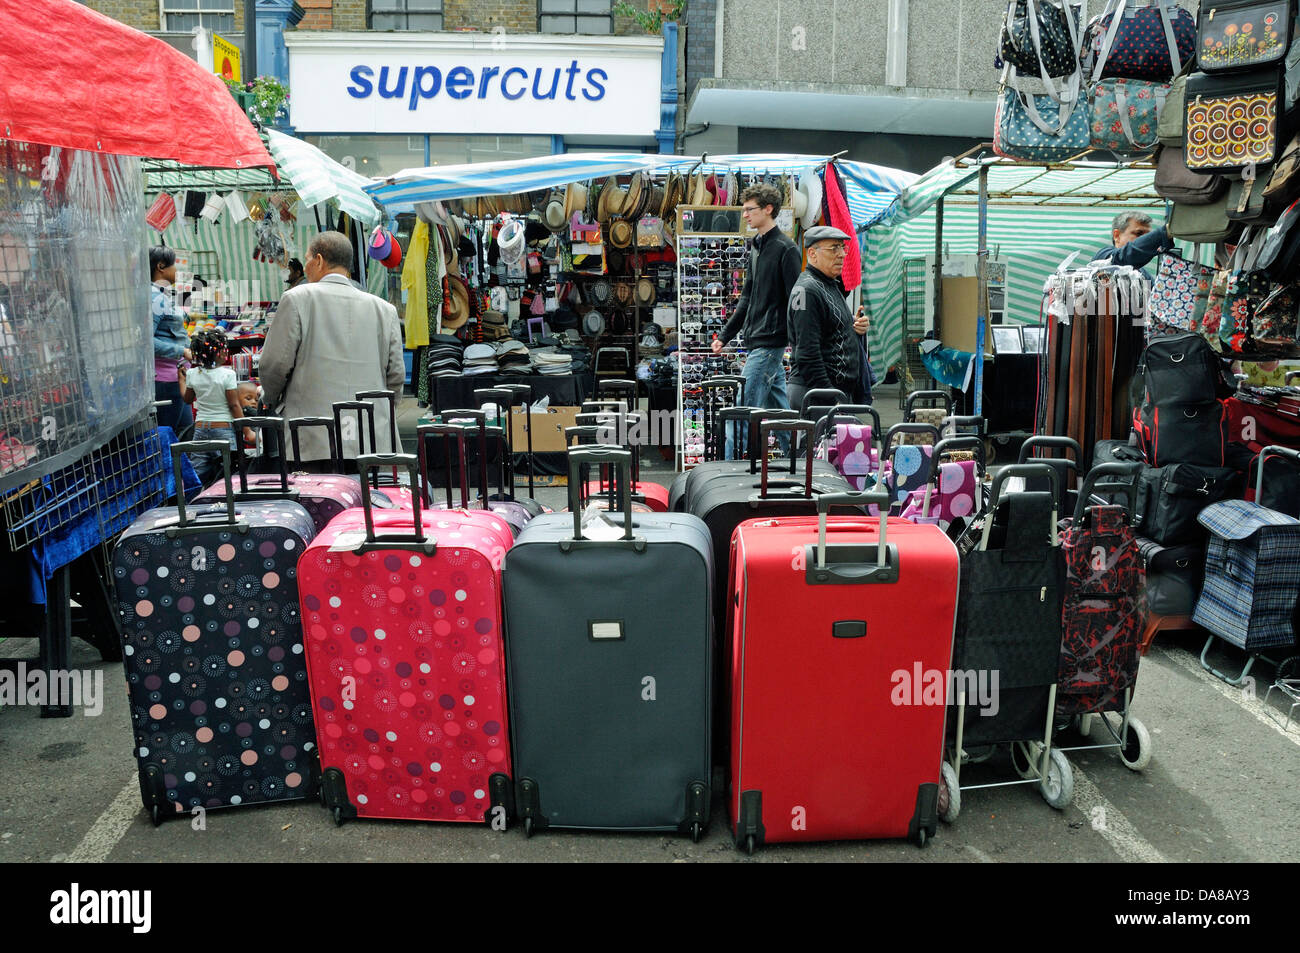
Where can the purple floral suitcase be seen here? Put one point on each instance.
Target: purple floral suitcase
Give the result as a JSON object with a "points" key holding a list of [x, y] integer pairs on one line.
{"points": [[212, 647]]}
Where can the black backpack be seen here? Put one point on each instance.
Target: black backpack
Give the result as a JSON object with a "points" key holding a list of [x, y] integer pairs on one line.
{"points": [[1178, 412]]}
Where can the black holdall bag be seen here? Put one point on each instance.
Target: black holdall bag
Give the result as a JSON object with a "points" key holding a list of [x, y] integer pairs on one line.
{"points": [[1038, 39], [1170, 498], [1178, 413]]}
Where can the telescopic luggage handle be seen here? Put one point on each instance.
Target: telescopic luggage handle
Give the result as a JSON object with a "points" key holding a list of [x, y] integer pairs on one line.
{"points": [[959, 422], [617, 387], [849, 413], [186, 525], [726, 382], [621, 461], [793, 427], [273, 425], [1293, 455], [731, 415], [297, 423], [589, 435], [1092, 484], [883, 570], [1052, 443], [829, 396], [756, 418], [947, 445], [522, 394], [1024, 470], [365, 412], [928, 395], [388, 395], [415, 540], [888, 445]]}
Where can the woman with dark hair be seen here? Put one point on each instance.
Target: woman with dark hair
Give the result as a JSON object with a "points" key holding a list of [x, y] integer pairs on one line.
{"points": [[170, 343]]}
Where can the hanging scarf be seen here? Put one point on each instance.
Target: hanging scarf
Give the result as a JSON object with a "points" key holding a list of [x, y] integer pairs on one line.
{"points": [[415, 284], [841, 219]]}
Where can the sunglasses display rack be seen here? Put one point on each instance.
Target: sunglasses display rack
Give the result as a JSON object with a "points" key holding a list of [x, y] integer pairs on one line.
{"points": [[710, 275]]}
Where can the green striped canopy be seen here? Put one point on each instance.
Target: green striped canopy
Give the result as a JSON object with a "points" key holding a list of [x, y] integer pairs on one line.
{"points": [[318, 178]]}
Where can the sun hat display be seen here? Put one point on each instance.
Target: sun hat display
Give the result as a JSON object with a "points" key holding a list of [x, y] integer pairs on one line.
{"points": [[511, 241], [808, 198], [381, 243], [613, 200], [645, 292], [554, 215], [458, 303], [593, 323], [621, 233], [394, 257], [672, 197], [575, 199]]}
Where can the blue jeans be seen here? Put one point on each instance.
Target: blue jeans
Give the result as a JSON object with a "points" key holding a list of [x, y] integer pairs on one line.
{"points": [[208, 464], [764, 387]]}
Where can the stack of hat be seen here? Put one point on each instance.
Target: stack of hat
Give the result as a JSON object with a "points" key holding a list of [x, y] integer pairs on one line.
{"points": [[494, 326], [444, 356], [480, 359], [512, 358], [552, 362]]}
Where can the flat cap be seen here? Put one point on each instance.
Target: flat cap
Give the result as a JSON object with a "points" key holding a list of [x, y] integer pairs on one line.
{"points": [[820, 233]]}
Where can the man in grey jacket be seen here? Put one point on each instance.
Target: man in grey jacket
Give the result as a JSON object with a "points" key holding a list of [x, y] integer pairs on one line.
{"points": [[328, 342]]}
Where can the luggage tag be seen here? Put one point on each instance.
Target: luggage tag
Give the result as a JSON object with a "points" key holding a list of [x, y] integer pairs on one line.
{"points": [[597, 525], [348, 542]]}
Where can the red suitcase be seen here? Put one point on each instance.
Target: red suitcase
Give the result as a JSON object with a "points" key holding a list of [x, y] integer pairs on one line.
{"points": [[405, 661], [833, 736], [324, 496], [388, 484]]}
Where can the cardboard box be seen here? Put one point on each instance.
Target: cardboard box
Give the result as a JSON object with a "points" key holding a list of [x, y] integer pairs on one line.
{"points": [[547, 428], [960, 316]]}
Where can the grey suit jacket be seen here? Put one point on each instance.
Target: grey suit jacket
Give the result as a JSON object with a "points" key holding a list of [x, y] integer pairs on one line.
{"points": [[328, 341]]}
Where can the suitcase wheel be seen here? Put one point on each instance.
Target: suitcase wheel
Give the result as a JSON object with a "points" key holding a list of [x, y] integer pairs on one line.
{"points": [[1136, 754], [528, 827], [338, 817], [949, 794], [1058, 787], [920, 837], [696, 832], [749, 844], [155, 815]]}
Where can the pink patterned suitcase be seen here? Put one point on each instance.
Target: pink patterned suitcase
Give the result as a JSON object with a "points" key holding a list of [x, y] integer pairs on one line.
{"points": [[850, 445], [405, 661], [952, 488], [324, 496]]}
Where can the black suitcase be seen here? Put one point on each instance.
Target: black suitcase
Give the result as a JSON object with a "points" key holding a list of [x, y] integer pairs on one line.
{"points": [[609, 681], [212, 646], [1170, 498]]}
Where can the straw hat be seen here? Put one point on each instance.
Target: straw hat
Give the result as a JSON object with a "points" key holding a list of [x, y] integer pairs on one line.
{"points": [[613, 200], [808, 198], [699, 191], [638, 192], [555, 215], [673, 193], [458, 303], [644, 294], [621, 233], [575, 199]]}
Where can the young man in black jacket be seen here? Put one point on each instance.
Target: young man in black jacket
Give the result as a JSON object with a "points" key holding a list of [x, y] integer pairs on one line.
{"points": [[773, 268], [823, 332]]}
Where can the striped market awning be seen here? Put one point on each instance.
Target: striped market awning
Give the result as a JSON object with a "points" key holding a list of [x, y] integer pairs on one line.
{"points": [[318, 178], [872, 189]]}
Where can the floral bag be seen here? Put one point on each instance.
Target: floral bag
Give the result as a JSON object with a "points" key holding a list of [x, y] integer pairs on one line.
{"points": [[1241, 34], [1123, 115], [1179, 296]]}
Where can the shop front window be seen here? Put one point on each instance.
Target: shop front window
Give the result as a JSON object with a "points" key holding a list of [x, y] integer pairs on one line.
{"points": [[575, 16], [404, 14], [456, 150], [373, 155], [182, 16]]}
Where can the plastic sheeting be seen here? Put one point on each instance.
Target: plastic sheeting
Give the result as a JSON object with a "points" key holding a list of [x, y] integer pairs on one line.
{"points": [[76, 336], [77, 79]]}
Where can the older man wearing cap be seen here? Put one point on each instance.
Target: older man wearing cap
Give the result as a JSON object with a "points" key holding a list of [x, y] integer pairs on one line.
{"points": [[823, 332]]}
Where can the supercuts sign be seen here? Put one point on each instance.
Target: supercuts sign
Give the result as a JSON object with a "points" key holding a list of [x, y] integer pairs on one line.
{"points": [[458, 83]]}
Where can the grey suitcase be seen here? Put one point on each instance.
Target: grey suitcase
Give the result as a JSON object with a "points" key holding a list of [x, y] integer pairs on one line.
{"points": [[610, 679]]}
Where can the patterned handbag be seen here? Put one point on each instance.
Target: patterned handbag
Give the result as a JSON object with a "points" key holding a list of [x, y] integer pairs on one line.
{"points": [[1231, 121], [1239, 34], [1247, 289], [1213, 317], [1141, 42], [1179, 296], [1123, 114], [1039, 129], [1273, 325], [1039, 38]]}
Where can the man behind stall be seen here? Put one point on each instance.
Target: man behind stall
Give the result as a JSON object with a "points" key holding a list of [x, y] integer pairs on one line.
{"points": [[1134, 241]]}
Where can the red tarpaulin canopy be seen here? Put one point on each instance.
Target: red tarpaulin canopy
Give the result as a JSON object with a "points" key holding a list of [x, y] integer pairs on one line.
{"points": [[71, 77]]}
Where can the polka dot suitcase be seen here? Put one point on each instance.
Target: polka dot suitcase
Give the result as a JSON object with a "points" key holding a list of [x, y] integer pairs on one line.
{"points": [[404, 653], [212, 647]]}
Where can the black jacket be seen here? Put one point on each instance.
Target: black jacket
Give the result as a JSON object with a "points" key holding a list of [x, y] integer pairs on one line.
{"points": [[825, 348], [761, 311]]}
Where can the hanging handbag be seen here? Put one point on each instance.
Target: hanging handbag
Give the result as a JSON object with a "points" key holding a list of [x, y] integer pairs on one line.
{"points": [[1169, 125], [1279, 253], [1284, 181], [1246, 199], [1273, 325], [1213, 316], [1179, 294], [1203, 223], [1232, 120], [1122, 115], [1240, 34], [1039, 129], [1176, 182], [1247, 288], [1141, 42], [1039, 39]]}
